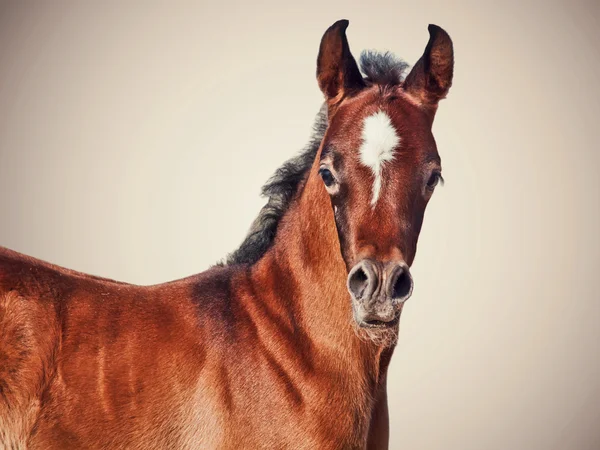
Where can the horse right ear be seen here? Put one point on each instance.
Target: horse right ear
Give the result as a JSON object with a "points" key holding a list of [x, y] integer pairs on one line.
{"points": [[337, 72]]}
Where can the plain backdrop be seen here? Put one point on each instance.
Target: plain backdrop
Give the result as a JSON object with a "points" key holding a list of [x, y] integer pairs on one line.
{"points": [[135, 136]]}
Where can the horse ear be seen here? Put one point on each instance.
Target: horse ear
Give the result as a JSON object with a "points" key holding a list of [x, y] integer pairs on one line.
{"points": [[337, 72], [431, 77]]}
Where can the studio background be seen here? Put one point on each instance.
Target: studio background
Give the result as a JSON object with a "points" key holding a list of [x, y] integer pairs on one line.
{"points": [[135, 137]]}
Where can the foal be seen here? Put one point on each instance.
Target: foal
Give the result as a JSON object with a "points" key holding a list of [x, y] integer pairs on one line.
{"points": [[287, 344]]}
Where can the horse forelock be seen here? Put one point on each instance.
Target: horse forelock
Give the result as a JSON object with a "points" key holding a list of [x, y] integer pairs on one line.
{"points": [[382, 68]]}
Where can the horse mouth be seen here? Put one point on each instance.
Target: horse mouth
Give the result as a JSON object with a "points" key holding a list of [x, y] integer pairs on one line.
{"points": [[381, 324]]}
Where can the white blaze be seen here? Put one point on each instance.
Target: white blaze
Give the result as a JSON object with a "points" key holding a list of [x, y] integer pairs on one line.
{"points": [[379, 141]]}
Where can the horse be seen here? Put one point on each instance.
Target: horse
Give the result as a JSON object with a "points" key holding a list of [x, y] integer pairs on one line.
{"points": [[285, 343]]}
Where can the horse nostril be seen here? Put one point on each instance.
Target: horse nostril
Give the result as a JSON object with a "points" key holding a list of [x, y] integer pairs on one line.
{"points": [[358, 281], [403, 285]]}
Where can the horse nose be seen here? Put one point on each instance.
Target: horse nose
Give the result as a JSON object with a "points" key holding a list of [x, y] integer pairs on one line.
{"points": [[389, 281], [400, 282], [363, 280]]}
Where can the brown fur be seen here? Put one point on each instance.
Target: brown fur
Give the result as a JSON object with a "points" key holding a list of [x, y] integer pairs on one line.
{"points": [[262, 355]]}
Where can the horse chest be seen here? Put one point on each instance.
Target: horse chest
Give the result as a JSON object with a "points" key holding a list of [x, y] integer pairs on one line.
{"points": [[264, 414]]}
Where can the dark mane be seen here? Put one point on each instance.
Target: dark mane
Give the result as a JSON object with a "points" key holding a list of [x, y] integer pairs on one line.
{"points": [[280, 190], [379, 68]]}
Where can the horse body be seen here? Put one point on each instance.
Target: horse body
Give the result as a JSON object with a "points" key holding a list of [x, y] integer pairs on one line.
{"points": [[222, 359], [285, 346]]}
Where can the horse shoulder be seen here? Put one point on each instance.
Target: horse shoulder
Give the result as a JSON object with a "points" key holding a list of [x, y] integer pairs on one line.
{"points": [[28, 342]]}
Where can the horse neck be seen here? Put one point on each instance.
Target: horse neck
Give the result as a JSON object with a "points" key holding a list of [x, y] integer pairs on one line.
{"points": [[308, 278]]}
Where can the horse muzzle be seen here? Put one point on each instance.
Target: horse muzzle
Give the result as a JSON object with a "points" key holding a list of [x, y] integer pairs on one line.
{"points": [[378, 291]]}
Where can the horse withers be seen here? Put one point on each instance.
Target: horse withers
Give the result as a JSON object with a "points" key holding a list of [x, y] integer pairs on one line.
{"points": [[287, 343]]}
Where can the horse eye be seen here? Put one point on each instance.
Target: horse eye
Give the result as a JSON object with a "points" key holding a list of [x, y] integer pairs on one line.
{"points": [[327, 176], [434, 179]]}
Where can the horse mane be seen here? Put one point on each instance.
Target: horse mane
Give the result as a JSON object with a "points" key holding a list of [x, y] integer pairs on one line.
{"points": [[379, 68]]}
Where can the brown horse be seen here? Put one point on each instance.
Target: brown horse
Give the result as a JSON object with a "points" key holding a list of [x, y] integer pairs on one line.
{"points": [[287, 343]]}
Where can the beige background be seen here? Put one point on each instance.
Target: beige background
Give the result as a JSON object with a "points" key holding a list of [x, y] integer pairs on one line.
{"points": [[134, 138]]}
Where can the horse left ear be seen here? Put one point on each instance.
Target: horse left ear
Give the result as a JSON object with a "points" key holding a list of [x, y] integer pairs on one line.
{"points": [[431, 77], [337, 72]]}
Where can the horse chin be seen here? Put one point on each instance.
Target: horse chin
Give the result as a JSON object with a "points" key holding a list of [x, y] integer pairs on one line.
{"points": [[383, 334]]}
